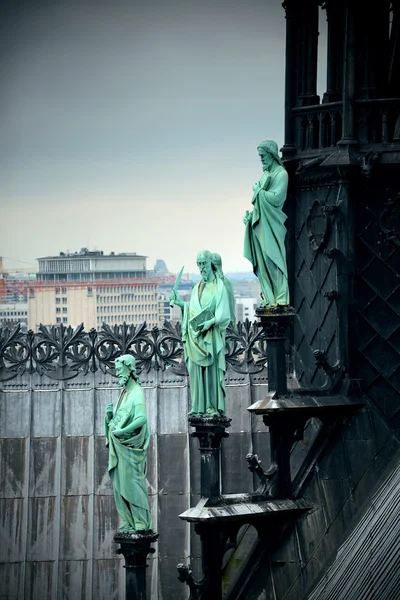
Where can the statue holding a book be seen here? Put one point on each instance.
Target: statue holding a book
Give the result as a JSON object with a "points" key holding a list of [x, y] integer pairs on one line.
{"points": [[204, 322]]}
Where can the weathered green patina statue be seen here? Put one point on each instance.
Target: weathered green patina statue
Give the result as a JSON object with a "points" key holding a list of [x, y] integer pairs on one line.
{"points": [[204, 322], [217, 266], [127, 436], [264, 240]]}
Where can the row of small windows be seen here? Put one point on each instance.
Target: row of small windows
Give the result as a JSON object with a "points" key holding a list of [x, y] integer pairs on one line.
{"points": [[143, 290], [125, 298], [64, 266], [64, 320], [64, 290], [135, 318], [127, 308], [123, 289], [19, 313], [58, 309], [58, 300]]}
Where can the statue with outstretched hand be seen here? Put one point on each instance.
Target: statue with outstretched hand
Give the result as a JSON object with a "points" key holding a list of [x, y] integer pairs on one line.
{"points": [[204, 322]]}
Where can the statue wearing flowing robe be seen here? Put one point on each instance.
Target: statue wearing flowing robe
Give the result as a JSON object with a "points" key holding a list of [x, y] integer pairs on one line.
{"points": [[127, 437], [204, 323], [264, 242]]}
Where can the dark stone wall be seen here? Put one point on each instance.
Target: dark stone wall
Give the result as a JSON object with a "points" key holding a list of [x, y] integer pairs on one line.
{"points": [[341, 487], [57, 512]]}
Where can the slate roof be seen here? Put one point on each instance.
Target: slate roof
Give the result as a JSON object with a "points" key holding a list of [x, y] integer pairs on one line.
{"points": [[367, 565]]}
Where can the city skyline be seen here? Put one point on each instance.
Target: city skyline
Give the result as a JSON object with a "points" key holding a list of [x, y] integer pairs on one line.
{"points": [[133, 128]]}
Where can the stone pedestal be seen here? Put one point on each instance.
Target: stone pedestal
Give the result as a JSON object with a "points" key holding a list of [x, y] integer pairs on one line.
{"points": [[275, 323], [286, 413], [135, 547], [210, 431]]}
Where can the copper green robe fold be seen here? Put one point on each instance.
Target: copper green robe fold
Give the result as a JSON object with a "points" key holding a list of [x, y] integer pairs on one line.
{"points": [[127, 464], [205, 352], [264, 242]]}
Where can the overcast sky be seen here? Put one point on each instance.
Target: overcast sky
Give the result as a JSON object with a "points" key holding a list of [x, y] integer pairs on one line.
{"points": [[133, 127]]}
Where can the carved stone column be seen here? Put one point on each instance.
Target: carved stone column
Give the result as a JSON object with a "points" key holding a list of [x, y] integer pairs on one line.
{"points": [[349, 75], [291, 75], [334, 78], [275, 323], [210, 432], [394, 52], [308, 51], [373, 30], [135, 547], [282, 428]]}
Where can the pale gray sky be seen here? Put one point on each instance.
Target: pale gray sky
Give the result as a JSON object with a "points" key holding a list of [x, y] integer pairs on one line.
{"points": [[133, 126]]}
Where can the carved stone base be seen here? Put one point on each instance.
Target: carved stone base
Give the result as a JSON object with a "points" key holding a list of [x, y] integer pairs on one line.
{"points": [[280, 309], [275, 320], [135, 547], [137, 536], [209, 421]]}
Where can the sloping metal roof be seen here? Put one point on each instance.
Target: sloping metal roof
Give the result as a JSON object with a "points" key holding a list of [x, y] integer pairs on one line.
{"points": [[367, 566]]}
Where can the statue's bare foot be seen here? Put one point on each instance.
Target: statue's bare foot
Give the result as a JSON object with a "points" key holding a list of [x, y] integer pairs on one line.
{"points": [[213, 412]]}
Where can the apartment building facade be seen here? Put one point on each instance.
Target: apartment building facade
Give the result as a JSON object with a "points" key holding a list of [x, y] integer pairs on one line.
{"points": [[12, 314], [93, 288]]}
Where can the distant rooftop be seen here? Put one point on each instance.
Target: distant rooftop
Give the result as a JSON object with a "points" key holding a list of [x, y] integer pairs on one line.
{"points": [[85, 252]]}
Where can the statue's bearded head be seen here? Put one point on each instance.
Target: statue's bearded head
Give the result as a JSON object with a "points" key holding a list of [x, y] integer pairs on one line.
{"points": [[267, 160], [205, 265], [268, 152], [125, 368]]}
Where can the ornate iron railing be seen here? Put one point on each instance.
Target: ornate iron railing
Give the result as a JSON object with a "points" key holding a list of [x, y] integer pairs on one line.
{"points": [[62, 353]]}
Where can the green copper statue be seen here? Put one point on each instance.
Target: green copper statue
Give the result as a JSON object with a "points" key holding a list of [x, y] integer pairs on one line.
{"points": [[127, 436], [264, 240], [204, 322], [216, 261]]}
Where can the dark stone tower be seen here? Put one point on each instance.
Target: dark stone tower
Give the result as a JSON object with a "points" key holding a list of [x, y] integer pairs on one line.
{"points": [[343, 155], [342, 152]]}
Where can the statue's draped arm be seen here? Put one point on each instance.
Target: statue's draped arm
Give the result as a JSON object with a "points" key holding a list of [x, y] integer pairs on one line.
{"points": [[139, 420], [133, 405], [275, 196], [267, 224], [222, 309]]}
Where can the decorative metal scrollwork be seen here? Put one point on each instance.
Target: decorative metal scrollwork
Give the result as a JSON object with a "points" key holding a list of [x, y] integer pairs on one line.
{"points": [[61, 352], [246, 350], [113, 341], [15, 352]]}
